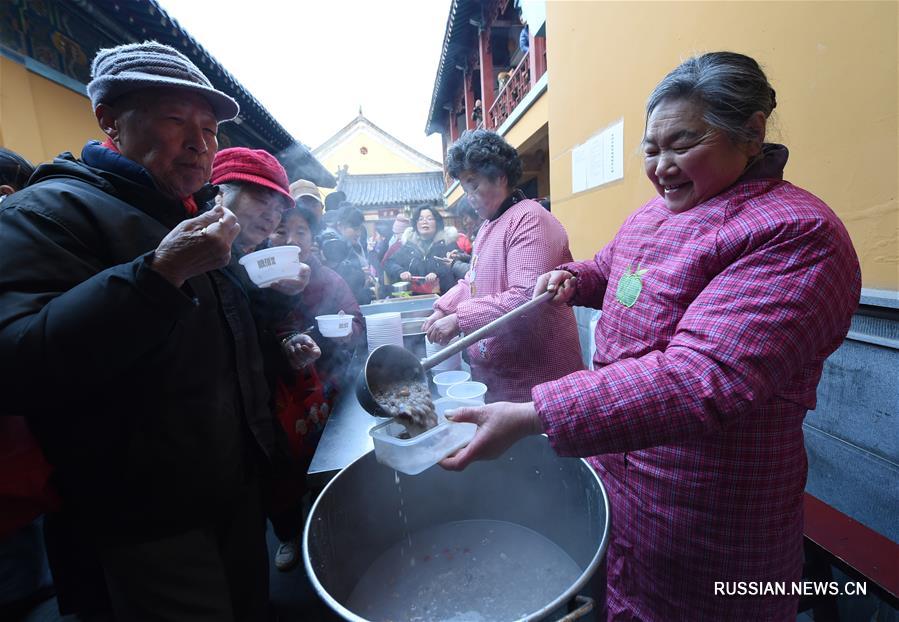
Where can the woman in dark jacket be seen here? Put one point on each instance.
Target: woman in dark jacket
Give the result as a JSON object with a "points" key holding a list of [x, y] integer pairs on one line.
{"points": [[425, 244]]}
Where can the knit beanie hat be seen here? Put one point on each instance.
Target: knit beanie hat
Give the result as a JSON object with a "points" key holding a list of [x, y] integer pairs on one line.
{"points": [[133, 66], [253, 166]]}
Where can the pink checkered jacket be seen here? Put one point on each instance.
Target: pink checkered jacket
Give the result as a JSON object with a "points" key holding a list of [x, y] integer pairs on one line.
{"points": [[510, 252], [715, 326]]}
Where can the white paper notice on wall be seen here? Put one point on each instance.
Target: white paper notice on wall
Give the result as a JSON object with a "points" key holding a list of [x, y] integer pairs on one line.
{"points": [[613, 150], [600, 160], [578, 169], [595, 157]]}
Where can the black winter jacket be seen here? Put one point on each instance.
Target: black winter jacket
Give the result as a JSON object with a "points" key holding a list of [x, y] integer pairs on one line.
{"points": [[419, 258], [150, 401]]}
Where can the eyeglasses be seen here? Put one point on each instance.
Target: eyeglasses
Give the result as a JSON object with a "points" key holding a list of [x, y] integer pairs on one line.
{"points": [[426, 219]]}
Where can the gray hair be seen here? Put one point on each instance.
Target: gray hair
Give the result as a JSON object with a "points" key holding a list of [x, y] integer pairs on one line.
{"points": [[484, 152], [228, 188], [731, 87]]}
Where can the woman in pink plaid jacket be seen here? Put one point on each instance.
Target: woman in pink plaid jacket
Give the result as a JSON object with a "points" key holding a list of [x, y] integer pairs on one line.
{"points": [[517, 242], [721, 299]]}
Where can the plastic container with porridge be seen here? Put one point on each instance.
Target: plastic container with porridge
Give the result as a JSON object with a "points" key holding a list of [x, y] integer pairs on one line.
{"points": [[413, 455]]}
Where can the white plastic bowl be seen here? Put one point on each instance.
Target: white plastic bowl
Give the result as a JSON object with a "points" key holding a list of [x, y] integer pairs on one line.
{"points": [[336, 325], [444, 380], [272, 264], [413, 455], [468, 391]]}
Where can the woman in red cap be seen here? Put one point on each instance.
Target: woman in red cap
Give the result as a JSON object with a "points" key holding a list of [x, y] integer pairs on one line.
{"points": [[253, 185]]}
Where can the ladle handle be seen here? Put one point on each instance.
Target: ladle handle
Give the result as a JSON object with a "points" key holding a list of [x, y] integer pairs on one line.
{"points": [[467, 340]]}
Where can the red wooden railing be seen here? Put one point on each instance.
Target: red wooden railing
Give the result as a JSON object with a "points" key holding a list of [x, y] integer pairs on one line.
{"points": [[513, 91]]}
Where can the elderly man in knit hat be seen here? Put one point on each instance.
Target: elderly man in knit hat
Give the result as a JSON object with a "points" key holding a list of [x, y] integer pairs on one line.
{"points": [[137, 363]]}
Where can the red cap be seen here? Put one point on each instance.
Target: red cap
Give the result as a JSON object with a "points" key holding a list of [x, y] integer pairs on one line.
{"points": [[253, 166]]}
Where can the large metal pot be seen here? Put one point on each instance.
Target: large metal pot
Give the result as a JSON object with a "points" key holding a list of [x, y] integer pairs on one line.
{"points": [[414, 340], [355, 519]]}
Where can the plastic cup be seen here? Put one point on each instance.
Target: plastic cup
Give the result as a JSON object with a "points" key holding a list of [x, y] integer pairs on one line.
{"points": [[444, 380], [471, 391], [452, 363]]}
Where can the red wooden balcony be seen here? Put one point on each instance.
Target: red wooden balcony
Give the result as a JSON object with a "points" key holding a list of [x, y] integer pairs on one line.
{"points": [[512, 92]]}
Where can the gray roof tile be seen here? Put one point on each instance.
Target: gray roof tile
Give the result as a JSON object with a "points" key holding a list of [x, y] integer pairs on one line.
{"points": [[392, 189]]}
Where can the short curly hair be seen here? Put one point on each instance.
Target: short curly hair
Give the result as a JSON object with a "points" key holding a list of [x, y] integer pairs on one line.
{"points": [[484, 152]]}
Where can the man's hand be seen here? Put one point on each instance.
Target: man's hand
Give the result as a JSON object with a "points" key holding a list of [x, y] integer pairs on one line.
{"points": [[500, 425], [560, 281], [301, 350], [443, 330], [459, 256], [196, 246], [430, 278], [406, 276], [294, 286]]}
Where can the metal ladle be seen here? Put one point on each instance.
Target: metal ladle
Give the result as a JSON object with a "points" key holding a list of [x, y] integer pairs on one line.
{"points": [[388, 365]]}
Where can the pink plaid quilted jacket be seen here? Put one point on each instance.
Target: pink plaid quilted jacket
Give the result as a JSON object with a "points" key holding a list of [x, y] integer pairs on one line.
{"points": [[510, 252], [715, 326]]}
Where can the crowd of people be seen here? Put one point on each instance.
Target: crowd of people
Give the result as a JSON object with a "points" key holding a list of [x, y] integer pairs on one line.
{"points": [[136, 246], [162, 407], [177, 405]]}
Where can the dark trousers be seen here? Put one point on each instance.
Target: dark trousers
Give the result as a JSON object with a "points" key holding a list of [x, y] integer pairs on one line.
{"points": [[77, 573], [288, 522], [218, 573], [285, 501]]}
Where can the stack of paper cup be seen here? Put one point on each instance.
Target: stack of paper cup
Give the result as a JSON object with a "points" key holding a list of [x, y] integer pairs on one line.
{"points": [[384, 329], [453, 362]]}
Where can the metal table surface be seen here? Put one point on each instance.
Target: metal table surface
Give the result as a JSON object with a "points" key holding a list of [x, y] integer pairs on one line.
{"points": [[345, 437]]}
